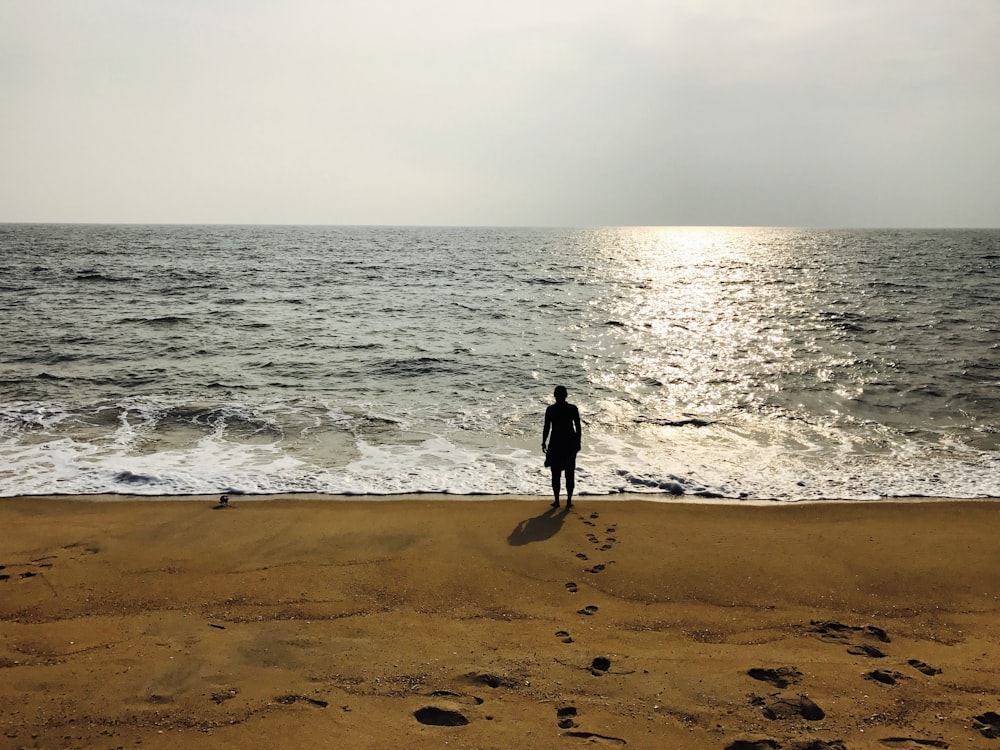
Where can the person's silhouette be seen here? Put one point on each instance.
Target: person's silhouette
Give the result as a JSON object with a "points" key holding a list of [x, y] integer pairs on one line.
{"points": [[561, 443]]}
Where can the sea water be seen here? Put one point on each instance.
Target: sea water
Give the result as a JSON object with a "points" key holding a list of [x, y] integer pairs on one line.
{"points": [[758, 363]]}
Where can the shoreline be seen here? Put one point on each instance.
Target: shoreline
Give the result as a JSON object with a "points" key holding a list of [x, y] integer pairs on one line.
{"points": [[636, 624], [656, 498]]}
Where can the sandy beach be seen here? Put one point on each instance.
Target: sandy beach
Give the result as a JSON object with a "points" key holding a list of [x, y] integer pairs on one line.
{"points": [[298, 622]]}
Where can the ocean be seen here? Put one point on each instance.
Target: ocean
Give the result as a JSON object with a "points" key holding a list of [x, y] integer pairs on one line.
{"points": [[712, 363]]}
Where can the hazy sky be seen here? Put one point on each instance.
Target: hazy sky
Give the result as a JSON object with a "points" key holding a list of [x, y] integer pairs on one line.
{"points": [[846, 113]]}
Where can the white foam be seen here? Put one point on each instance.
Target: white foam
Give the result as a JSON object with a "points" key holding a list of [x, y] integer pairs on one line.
{"points": [[19, 417], [800, 462]]}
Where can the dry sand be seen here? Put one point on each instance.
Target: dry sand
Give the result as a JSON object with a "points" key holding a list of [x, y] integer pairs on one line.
{"points": [[305, 623]]}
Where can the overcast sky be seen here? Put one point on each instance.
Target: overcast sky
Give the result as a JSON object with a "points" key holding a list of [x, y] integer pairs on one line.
{"points": [[826, 113]]}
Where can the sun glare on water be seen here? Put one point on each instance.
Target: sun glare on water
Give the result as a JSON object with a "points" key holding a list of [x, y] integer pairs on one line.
{"points": [[696, 322]]}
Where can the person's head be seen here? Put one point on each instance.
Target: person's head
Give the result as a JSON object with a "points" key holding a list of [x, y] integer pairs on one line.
{"points": [[560, 393]]}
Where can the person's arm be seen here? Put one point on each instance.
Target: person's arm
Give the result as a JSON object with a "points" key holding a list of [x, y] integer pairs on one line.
{"points": [[576, 424], [546, 428]]}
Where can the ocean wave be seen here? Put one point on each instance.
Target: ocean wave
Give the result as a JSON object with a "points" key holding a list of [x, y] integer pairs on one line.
{"points": [[159, 320], [95, 276], [417, 367], [756, 363]]}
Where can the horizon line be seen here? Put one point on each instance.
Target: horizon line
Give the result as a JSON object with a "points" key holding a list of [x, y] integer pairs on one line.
{"points": [[845, 227]]}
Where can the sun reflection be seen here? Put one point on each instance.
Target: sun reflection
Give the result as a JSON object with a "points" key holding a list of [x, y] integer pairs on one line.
{"points": [[703, 324], [692, 243]]}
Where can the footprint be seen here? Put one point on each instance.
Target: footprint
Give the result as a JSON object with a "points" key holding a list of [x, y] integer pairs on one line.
{"points": [[90, 548], [571, 587], [600, 666], [581, 556], [840, 631], [877, 633], [590, 609], [595, 515], [753, 745], [593, 737], [596, 569], [988, 724], [29, 574], [920, 666], [225, 695], [865, 650], [885, 676], [781, 677], [605, 548], [564, 636], [492, 680], [787, 709], [565, 717], [439, 717], [908, 742]]}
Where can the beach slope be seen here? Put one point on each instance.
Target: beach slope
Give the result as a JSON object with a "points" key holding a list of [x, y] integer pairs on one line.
{"points": [[429, 622]]}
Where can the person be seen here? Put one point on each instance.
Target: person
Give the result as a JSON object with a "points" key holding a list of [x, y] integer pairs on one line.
{"points": [[561, 443]]}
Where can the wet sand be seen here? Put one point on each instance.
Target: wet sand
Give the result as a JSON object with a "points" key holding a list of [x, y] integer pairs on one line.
{"points": [[426, 623]]}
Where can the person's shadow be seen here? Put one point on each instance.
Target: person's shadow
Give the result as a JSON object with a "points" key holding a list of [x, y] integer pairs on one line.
{"points": [[539, 528]]}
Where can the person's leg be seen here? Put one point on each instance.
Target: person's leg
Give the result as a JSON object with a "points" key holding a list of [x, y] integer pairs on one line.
{"points": [[555, 486], [570, 469]]}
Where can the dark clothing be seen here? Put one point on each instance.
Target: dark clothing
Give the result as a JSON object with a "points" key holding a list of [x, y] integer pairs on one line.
{"points": [[558, 461], [562, 430]]}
